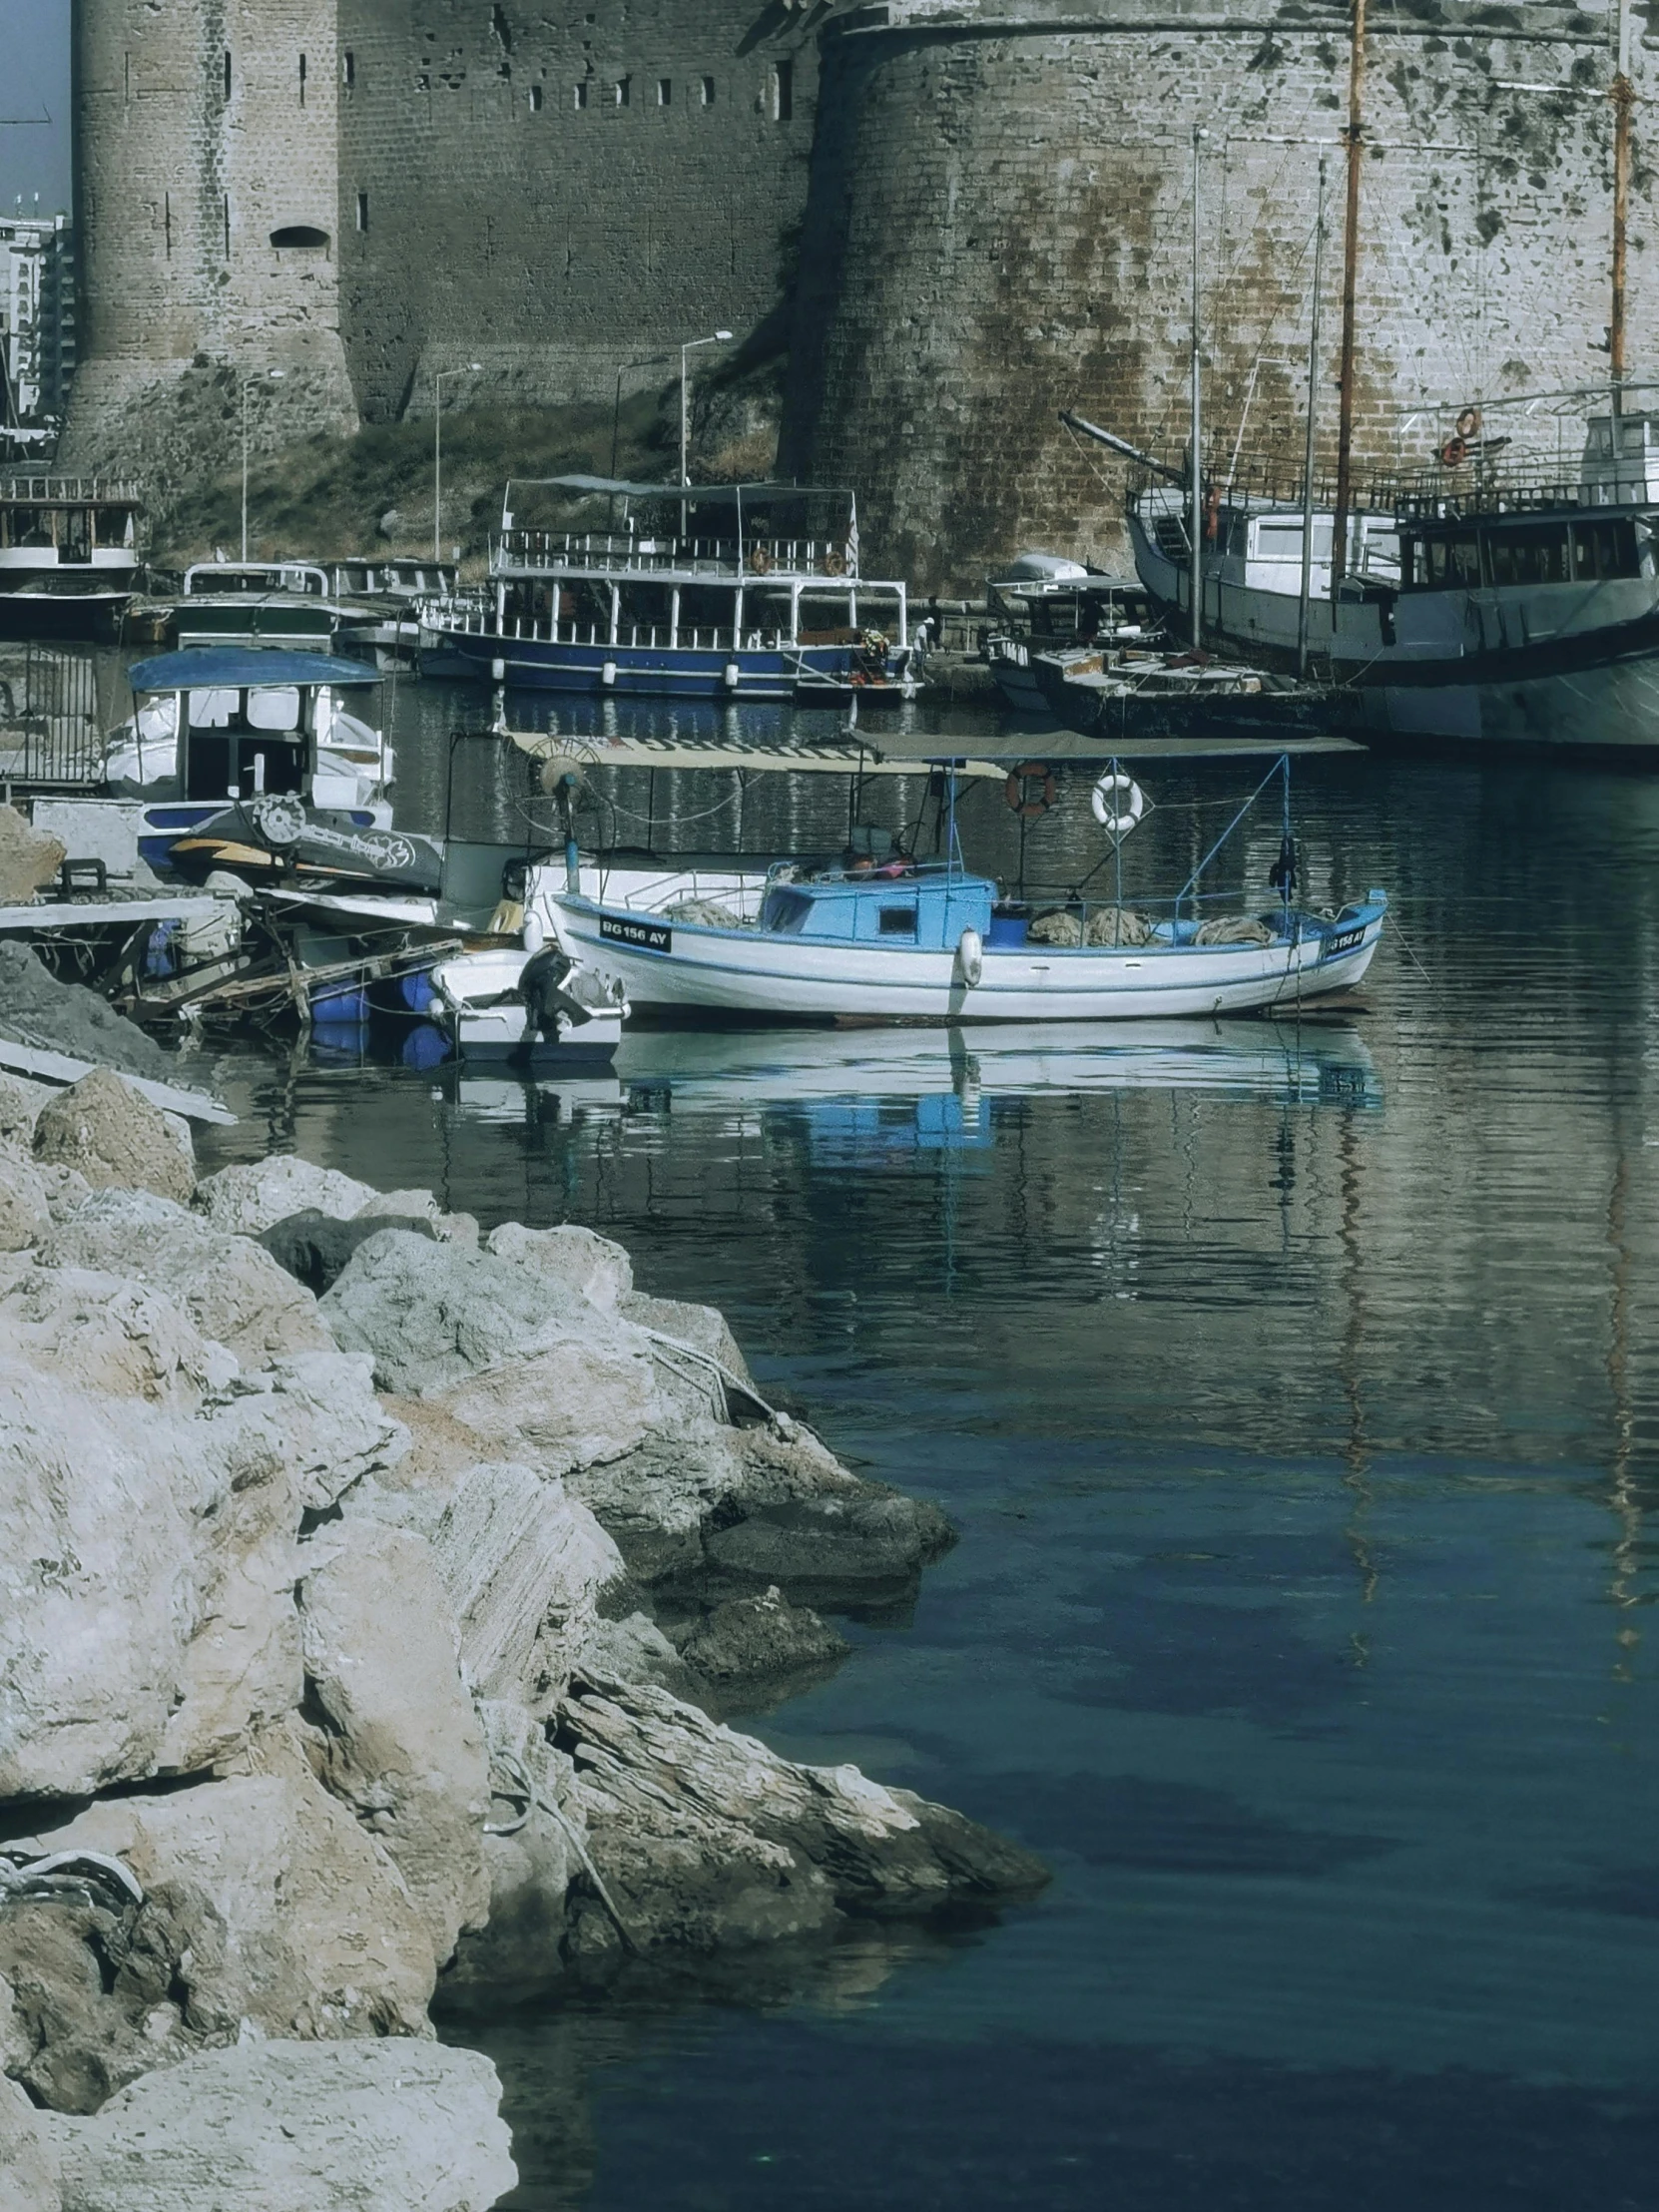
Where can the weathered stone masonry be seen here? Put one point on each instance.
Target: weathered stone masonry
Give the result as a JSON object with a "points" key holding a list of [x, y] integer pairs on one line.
{"points": [[986, 206]]}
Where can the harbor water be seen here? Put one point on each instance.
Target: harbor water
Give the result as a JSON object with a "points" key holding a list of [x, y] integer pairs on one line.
{"points": [[1293, 1387]]}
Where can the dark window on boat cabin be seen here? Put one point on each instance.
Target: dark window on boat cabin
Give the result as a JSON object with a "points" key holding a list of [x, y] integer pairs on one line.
{"points": [[896, 921], [1535, 553], [1453, 563], [1605, 548]]}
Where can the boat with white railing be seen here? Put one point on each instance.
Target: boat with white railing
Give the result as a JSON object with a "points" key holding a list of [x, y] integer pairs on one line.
{"points": [[282, 603], [69, 554], [877, 935], [701, 591]]}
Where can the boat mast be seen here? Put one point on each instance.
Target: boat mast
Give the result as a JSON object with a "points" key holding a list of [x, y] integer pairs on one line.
{"points": [[1195, 519], [1350, 264], [1624, 100], [1312, 408]]}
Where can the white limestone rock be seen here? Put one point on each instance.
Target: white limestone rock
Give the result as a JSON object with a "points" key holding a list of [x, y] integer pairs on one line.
{"points": [[278, 1908], [569, 1258], [111, 1133], [25, 1202], [283, 2127], [255, 1195], [147, 1620], [233, 1289], [399, 1742], [29, 2166], [524, 1564]]}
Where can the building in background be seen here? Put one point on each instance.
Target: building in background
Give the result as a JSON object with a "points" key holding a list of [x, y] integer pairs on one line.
{"points": [[37, 331]]}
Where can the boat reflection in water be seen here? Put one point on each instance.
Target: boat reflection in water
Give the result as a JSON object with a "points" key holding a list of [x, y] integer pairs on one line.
{"points": [[873, 1095]]}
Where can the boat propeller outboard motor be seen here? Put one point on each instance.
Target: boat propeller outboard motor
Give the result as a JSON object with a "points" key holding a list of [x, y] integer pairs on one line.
{"points": [[551, 986], [1283, 874]]}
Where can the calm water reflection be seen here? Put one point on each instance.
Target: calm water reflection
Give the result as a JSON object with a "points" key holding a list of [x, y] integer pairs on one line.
{"points": [[1294, 1393]]}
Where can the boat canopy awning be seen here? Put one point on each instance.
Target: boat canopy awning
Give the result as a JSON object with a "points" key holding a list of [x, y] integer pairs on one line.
{"points": [[846, 759], [696, 496], [244, 668], [903, 753]]}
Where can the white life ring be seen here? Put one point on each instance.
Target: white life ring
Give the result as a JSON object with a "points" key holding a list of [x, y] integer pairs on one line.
{"points": [[971, 957], [1104, 796]]}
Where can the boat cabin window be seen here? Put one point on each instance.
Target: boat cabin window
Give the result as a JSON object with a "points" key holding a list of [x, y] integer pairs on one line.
{"points": [[1605, 548], [1537, 554], [896, 921], [1452, 562], [247, 742]]}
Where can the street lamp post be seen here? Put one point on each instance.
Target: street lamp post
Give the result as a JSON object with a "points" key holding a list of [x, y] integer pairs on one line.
{"points": [[275, 375], [471, 368], [719, 337]]}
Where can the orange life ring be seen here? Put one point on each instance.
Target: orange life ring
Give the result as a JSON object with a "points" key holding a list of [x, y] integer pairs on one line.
{"points": [[1454, 453], [760, 560], [1212, 516], [1028, 802], [834, 561]]}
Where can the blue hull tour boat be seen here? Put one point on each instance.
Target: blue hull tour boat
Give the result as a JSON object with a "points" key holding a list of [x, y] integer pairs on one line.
{"points": [[701, 591]]}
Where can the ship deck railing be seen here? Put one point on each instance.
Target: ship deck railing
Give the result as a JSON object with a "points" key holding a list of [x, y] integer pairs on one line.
{"points": [[717, 560], [639, 636], [1485, 484], [37, 489]]}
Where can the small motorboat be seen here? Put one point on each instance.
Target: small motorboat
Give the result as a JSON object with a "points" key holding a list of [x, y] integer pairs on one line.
{"points": [[529, 1005]]}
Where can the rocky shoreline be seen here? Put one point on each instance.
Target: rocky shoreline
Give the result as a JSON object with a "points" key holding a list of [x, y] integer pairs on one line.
{"points": [[370, 1597]]}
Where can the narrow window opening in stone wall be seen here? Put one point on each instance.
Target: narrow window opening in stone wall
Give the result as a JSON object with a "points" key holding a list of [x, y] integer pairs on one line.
{"points": [[708, 90], [502, 29], [535, 99], [624, 89], [665, 92], [783, 91], [227, 73], [303, 236], [126, 76], [582, 94], [226, 225], [348, 68], [166, 224], [423, 82], [362, 210], [301, 79]]}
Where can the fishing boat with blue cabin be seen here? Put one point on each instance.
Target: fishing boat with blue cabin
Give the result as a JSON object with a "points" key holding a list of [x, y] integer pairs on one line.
{"points": [[698, 591], [876, 933]]}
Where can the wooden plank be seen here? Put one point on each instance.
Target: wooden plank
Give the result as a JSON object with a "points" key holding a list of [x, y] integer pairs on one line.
{"points": [[57, 1067], [83, 914]]}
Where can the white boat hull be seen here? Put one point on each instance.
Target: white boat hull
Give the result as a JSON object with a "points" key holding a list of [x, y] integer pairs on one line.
{"points": [[779, 976]]}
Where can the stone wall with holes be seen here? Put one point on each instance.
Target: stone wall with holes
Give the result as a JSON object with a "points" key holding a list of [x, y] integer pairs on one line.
{"points": [[557, 193], [1000, 226], [363, 193]]}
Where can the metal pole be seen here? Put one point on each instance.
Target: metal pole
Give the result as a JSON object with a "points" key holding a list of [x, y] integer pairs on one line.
{"points": [[1312, 408], [1195, 523], [1623, 96], [245, 466], [1351, 264], [438, 469]]}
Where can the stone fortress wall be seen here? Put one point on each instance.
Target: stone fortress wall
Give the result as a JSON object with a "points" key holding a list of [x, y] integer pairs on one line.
{"points": [[1001, 225], [983, 205]]}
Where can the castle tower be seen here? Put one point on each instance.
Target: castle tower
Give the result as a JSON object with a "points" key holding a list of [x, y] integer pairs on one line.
{"points": [[207, 201], [1000, 226]]}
